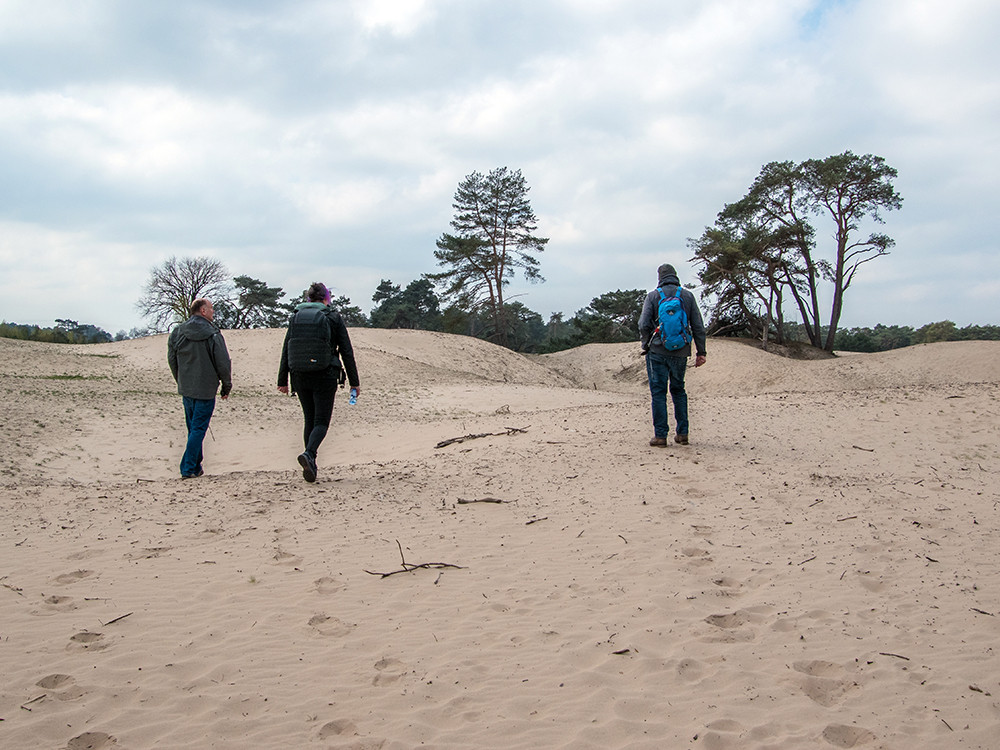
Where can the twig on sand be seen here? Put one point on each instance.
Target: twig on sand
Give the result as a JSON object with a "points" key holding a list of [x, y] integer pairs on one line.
{"points": [[463, 501], [867, 450], [12, 588], [408, 567], [476, 436], [112, 622], [536, 520], [33, 700], [904, 658]]}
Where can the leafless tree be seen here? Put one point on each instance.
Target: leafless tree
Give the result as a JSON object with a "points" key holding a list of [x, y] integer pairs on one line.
{"points": [[176, 283]]}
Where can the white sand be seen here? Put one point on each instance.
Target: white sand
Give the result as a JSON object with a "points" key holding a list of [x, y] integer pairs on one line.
{"points": [[819, 568]]}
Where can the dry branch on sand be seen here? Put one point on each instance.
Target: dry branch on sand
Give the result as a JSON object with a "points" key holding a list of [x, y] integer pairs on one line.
{"points": [[408, 567], [463, 438]]}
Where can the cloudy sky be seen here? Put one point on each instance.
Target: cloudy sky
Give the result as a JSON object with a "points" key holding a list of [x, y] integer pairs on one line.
{"points": [[301, 140]]}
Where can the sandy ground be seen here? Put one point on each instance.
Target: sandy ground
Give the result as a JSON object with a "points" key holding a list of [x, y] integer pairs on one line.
{"points": [[819, 568]]}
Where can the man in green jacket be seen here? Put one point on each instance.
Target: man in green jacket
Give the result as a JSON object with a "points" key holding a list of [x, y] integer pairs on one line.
{"points": [[199, 362]]}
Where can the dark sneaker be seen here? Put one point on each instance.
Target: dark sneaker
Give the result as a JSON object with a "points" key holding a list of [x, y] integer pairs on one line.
{"points": [[308, 465], [682, 439], [197, 473], [656, 441]]}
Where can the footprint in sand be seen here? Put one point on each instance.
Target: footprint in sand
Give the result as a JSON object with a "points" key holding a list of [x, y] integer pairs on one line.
{"points": [[389, 671], [84, 554], [327, 585], [871, 581], [841, 735], [355, 743], [329, 626], [55, 681], [281, 533], [147, 553], [76, 575], [729, 621], [690, 670], [697, 555], [61, 686], [92, 741], [338, 728], [728, 586], [722, 734], [732, 624], [55, 604], [824, 682], [87, 641], [286, 558]]}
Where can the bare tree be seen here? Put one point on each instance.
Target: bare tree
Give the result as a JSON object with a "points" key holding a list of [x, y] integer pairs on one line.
{"points": [[175, 284]]}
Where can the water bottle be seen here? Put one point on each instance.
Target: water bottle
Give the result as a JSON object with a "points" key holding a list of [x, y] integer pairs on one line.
{"points": [[354, 397]]}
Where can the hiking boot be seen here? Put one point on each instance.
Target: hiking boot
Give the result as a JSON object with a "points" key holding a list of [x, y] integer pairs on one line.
{"points": [[657, 441], [681, 439], [308, 464]]}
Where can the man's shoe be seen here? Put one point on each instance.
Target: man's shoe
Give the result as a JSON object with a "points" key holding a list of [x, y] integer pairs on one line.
{"points": [[682, 439], [656, 441], [197, 473], [308, 465]]}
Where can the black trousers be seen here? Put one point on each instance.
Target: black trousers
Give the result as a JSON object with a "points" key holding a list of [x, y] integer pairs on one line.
{"points": [[316, 392]]}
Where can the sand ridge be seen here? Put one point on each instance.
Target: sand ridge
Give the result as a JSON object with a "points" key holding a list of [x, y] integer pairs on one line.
{"points": [[818, 569]]}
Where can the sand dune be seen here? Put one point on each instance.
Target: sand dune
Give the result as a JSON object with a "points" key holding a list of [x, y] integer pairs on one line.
{"points": [[817, 569]]}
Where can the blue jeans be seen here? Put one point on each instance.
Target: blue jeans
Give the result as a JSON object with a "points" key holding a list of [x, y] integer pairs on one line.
{"points": [[667, 373], [197, 415]]}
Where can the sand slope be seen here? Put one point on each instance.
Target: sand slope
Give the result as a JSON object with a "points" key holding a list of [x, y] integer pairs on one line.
{"points": [[817, 569]]}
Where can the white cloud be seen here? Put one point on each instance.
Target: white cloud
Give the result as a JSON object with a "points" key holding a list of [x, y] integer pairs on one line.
{"points": [[399, 17], [48, 274], [353, 203]]}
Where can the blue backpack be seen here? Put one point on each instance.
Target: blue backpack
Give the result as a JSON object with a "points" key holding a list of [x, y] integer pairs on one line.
{"points": [[673, 328]]}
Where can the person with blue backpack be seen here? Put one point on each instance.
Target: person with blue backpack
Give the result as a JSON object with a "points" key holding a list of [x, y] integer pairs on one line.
{"points": [[315, 343], [670, 322]]}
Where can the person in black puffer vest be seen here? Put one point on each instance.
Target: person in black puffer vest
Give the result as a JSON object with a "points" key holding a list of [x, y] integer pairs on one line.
{"points": [[315, 344]]}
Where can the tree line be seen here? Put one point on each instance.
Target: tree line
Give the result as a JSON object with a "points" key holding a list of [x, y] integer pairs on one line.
{"points": [[63, 332], [760, 266], [245, 302], [609, 318], [882, 338]]}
